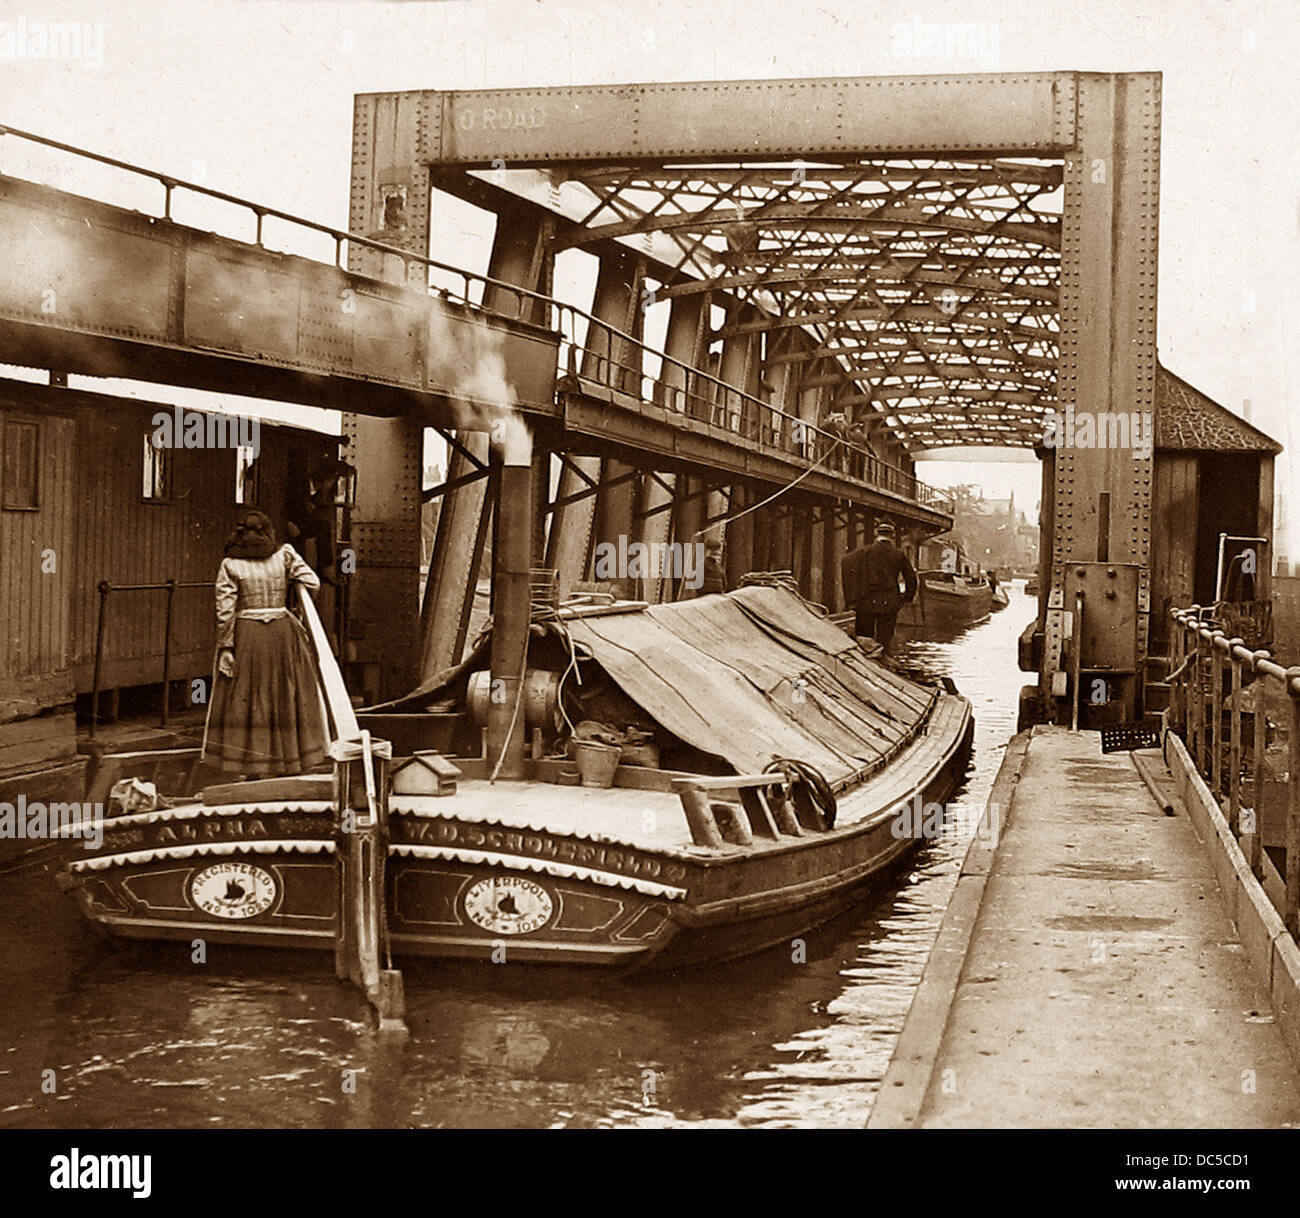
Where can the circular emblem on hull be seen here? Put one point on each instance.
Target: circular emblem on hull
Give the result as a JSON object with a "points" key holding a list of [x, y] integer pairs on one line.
{"points": [[235, 891], [508, 905]]}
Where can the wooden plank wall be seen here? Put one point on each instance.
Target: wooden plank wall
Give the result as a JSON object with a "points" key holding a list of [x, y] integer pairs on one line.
{"points": [[125, 539], [1173, 538], [37, 566], [95, 518]]}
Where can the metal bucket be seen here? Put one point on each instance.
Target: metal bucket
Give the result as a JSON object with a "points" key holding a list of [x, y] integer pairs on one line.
{"points": [[596, 762]]}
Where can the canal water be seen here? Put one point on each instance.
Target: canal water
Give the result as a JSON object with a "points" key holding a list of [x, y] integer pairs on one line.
{"points": [[96, 1035]]}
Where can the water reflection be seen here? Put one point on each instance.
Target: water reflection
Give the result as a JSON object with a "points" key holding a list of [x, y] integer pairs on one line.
{"points": [[142, 1037]]}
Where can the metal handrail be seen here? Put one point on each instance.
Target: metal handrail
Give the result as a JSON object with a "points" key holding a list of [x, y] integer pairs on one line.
{"points": [[105, 588], [892, 478], [1200, 646]]}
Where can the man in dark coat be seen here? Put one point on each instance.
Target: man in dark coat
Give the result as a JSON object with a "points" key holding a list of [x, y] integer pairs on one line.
{"points": [[310, 510], [870, 576]]}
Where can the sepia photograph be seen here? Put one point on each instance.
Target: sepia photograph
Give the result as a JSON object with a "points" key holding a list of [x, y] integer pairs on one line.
{"points": [[579, 564]]}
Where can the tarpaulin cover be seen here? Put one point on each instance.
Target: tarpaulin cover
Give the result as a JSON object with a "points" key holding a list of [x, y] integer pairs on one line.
{"points": [[754, 674]]}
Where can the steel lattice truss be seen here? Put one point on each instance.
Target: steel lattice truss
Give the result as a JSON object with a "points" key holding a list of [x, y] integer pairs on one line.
{"points": [[929, 288]]}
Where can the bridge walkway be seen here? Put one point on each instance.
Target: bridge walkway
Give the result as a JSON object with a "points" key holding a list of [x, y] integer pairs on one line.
{"points": [[1087, 974]]}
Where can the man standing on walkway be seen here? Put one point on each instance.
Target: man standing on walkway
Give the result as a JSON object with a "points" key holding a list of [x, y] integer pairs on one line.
{"points": [[869, 576]]}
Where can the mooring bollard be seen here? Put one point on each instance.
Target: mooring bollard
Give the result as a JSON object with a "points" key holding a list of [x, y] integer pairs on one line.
{"points": [[361, 948]]}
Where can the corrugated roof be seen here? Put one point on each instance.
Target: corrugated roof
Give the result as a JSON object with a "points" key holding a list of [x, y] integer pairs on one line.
{"points": [[754, 674]]}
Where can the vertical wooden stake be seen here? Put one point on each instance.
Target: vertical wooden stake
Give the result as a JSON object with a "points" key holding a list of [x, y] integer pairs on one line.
{"points": [[1198, 706], [361, 950], [1292, 687], [1076, 646], [1176, 718], [1260, 743], [1234, 746], [1216, 723]]}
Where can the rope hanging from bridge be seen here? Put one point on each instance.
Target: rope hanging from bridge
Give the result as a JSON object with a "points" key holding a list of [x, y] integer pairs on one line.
{"points": [[753, 507]]}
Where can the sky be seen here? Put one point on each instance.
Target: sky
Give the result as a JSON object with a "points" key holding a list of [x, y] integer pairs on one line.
{"points": [[256, 99]]}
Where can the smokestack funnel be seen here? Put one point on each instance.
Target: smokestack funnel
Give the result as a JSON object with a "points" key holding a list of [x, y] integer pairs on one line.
{"points": [[512, 452]]}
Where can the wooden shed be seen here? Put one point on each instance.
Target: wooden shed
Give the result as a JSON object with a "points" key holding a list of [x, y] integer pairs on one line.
{"points": [[1213, 474], [85, 498]]}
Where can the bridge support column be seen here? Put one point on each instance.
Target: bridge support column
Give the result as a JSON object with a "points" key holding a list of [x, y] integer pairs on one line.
{"points": [[389, 201], [384, 589], [568, 543], [801, 559], [684, 340], [1107, 366], [832, 552], [690, 512], [716, 538], [615, 515], [457, 555], [519, 256], [817, 556], [740, 367], [740, 536], [762, 555], [654, 529], [611, 360], [675, 391], [781, 557]]}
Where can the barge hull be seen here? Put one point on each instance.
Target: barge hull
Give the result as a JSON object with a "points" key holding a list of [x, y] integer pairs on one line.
{"points": [[236, 876]]}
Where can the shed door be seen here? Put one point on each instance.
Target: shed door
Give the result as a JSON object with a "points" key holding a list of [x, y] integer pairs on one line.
{"points": [[36, 561]]}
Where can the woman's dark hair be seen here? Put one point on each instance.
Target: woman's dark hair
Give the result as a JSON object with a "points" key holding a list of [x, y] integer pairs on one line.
{"points": [[254, 537]]}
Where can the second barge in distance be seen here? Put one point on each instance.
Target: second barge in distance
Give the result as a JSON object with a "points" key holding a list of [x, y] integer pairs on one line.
{"points": [[785, 751], [946, 599]]}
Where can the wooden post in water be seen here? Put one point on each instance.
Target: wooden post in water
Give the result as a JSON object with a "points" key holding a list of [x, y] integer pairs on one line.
{"points": [[361, 783], [361, 950]]}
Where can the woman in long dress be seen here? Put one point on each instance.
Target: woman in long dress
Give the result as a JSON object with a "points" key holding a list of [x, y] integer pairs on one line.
{"points": [[266, 716]]}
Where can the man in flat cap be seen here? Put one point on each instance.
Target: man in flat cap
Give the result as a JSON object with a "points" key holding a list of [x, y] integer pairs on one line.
{"points": [[870, 577]]}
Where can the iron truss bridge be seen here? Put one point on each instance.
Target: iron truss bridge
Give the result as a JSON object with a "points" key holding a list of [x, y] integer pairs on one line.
{"points": [[102, 290]]}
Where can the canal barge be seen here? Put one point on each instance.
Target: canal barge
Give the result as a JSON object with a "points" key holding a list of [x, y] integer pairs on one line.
{"points": [[767, 769], [947, 599]]}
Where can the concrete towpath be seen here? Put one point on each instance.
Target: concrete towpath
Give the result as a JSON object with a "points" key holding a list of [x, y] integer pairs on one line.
{"points": [[1087, 974]]}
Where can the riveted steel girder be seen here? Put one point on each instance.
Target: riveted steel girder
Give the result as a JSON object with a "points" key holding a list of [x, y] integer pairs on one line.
{"points": [[1030, 112]]}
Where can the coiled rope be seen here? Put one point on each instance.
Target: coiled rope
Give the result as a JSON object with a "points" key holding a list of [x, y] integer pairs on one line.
{"points": [[819, 790]]}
